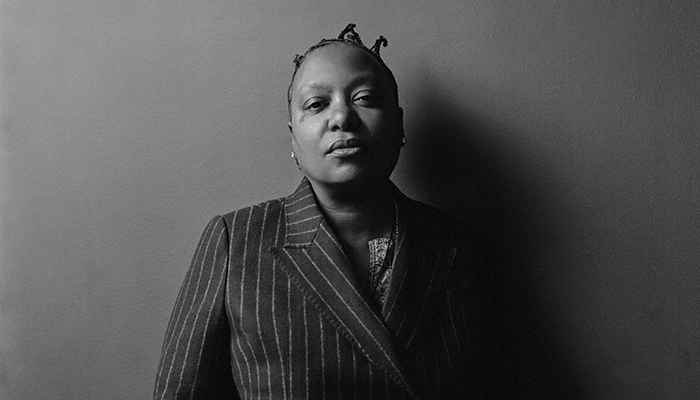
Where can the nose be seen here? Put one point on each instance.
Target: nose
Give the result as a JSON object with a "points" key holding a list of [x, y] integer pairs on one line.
{"points": [[343, 118]]}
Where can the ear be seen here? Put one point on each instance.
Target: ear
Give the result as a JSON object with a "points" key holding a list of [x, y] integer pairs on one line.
{"points": [[291, 135]]}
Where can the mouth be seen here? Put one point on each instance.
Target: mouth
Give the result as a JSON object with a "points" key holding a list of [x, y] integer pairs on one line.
{"points": [[345, 147]]}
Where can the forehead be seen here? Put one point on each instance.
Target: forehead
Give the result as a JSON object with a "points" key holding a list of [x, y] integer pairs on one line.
{"points": [[336, 61]]}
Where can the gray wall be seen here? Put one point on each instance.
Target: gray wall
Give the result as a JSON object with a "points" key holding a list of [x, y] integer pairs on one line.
{"points": [[568, 129]]}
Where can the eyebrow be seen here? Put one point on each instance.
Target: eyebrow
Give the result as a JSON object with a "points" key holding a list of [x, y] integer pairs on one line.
{"points": [[361, 78], [315, 86]]}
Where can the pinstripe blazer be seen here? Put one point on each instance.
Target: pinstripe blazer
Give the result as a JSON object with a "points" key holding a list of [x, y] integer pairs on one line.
{"points": [[270, 309]]}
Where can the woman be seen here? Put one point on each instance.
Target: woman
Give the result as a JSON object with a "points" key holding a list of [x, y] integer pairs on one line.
{"points": [[346, 288]]}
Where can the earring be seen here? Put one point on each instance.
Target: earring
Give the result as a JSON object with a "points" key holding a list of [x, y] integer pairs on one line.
{"points": [[403, 141], [294, 156]]}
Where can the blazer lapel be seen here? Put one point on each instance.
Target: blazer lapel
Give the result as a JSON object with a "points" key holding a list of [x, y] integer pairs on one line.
{"points": [[424, 257], [314, 261]]}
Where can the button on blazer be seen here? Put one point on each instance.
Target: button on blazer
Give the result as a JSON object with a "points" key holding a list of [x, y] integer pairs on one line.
{"points": [[271, 309]]}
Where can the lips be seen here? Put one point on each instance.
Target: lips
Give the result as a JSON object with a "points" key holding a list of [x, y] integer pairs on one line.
{"points": [[346, 146]]}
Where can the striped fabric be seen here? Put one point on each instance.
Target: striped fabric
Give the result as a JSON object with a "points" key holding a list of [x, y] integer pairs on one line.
{"points": [[270, 309]]}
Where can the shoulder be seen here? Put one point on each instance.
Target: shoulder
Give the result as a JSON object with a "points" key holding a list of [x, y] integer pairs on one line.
{"points": [[429, 216], [434, 225], [254, 215], [436, 230], [263, 221]]}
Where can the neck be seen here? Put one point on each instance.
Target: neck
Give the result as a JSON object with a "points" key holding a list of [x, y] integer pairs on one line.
{"points": [[358, 214]]}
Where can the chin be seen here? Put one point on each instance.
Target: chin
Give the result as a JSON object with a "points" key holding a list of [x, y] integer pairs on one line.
{"points": [[361, 180], [357, 177]]}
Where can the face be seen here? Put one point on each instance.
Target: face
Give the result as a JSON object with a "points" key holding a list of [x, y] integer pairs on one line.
{"points": [[345, 125]]}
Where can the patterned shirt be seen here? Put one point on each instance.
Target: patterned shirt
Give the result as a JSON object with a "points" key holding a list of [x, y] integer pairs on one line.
{"points": [[381, 255]]}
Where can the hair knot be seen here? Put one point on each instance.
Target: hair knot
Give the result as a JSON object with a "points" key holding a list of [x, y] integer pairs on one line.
{"points": [[379, 43]]}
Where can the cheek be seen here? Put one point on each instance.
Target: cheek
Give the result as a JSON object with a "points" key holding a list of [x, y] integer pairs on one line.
{"points": [[389, 133], [305, 136], [383, 122], [303, 144]]}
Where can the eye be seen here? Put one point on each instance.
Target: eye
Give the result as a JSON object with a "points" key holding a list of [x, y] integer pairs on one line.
{"points": [[315, 103], [367, 98]]}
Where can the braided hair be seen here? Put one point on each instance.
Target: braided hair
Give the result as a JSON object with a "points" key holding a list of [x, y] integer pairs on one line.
{"points": [[350, 37]]}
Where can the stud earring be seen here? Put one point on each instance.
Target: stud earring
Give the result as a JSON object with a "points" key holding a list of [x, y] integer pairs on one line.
{"points": [[403, 141]]}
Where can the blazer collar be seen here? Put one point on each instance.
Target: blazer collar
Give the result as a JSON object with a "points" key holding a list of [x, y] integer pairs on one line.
{"points": [[302, 217], [424, 255], [313, 259]]}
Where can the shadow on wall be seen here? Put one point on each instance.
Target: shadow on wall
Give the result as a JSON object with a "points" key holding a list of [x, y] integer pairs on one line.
{"points": [[459, 167]]}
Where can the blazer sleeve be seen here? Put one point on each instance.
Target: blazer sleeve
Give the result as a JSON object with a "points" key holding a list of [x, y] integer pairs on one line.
{"points": [[195, 359]]}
